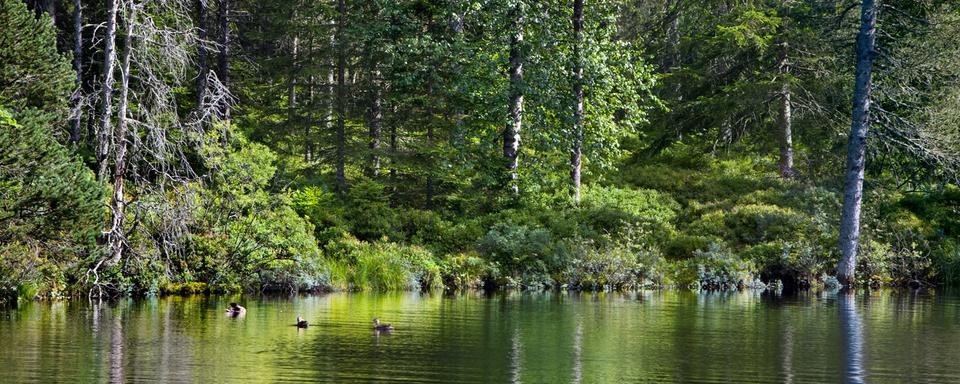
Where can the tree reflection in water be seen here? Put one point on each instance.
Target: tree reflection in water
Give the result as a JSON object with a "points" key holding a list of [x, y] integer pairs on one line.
{"points": [[578, 353], [851, 329], [515, 355]]}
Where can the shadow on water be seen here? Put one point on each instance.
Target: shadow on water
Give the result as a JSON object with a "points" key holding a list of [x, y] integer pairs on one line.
{"points": [[851, 329]]}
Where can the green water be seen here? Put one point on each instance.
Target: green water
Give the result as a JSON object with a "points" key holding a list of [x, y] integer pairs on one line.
{"points": [[659, 336]]}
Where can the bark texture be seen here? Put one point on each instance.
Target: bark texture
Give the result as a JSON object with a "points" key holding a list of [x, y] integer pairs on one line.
{"points": [[223, 59], [857, 144], [203, 68], [375, 121], [77, 100], [341, 98], [511, 135], [118, 201], [577, 149], [106, 110], [786, 118]]}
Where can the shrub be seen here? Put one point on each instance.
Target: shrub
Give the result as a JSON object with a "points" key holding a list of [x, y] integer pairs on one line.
{"points": [[947, 262], [714, 268], [613, 267], [684, 246], [381, 266], [464, 271], [797, 263], [322, 209], [520, 250]]}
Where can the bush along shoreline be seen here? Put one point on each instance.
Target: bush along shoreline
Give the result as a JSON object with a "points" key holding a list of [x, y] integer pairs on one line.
{"points": [[738, 231]]}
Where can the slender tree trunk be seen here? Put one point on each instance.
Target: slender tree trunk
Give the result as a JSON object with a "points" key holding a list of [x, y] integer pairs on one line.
{"points": [[311, 115], [203, 68], [857, 144], [375, 120], [292, 84], [331, 93], [223, 60], [430, 146], [511, 135], [786, 123], [576, 151], [106, 112], [118, 202], [456, 25], [341, 98], [77, 101], [671, 57], [394, 146]]}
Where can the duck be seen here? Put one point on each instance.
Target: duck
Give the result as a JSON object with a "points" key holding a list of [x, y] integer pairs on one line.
{"points": [[381, 327], [301, 323], [235, 309]]}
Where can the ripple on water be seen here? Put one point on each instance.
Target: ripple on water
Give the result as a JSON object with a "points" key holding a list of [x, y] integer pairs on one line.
{"points": [[655, 336]]}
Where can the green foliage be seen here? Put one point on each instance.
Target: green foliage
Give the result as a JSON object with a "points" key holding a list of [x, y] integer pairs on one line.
{"points": [[381, 266], [33, 75], [625, 265], [714, 268], [679, 183], [50, 206], [323, 210], [230, 233], [465, 270], [521, 251]]}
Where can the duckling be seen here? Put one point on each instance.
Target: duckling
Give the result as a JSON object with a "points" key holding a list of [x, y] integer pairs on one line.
{"points": [[381, 327], [301, 323], [235, 310]]}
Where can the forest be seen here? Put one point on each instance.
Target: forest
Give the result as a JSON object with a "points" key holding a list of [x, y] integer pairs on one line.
{"points": [[188, 146]]}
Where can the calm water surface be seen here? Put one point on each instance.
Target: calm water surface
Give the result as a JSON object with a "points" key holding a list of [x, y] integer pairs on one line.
{"points": [[659, 336]]}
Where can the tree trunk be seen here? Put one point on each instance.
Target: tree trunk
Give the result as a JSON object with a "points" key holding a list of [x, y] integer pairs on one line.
{"points": [[292, 85], [511, 135], [223, 60], [857, 144], [203, 68], [429, 192], [331, 93], [106, 112], [394, 146], [671, 58], [456, 25], [341, 98], [45, 6], [77, 101], [786, 136], [311, 115], [375, 120], [576, 151], [117, 202]]}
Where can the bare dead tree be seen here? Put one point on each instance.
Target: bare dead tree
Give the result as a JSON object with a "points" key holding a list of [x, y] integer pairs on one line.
{"points": [[148, 144]]}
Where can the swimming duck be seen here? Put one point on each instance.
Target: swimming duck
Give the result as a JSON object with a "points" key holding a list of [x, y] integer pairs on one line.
{"points": [[236, 309], [301, 323], [381, 327]]}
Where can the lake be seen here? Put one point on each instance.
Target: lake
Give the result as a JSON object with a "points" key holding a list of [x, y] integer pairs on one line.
{"points": [[651, 336]]}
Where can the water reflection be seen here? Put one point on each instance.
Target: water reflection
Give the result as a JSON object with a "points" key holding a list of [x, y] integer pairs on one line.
{"points": [[578, 353], [851, 328], [116, 350], [515, 356], [667, 336], [787, 364]]}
